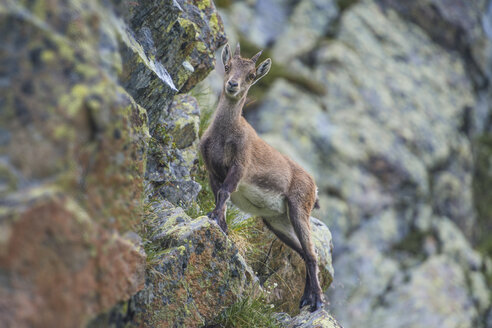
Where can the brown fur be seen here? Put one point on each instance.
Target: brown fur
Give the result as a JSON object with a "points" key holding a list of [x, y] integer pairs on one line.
{"points": [[235, 156]]}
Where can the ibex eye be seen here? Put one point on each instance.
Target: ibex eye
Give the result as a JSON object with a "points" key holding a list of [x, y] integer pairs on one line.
{"points": [[251, 76], [226, 67]]}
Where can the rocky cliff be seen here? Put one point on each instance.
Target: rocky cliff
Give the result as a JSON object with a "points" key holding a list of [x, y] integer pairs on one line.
{"points": [[388, 103], [102, 193]]}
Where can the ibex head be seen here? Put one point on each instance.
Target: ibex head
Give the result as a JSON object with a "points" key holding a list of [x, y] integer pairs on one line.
{"points": [[241, 73]]}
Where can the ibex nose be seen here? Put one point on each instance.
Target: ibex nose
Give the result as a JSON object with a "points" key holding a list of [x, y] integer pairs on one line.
{"points": [[232, 84]]}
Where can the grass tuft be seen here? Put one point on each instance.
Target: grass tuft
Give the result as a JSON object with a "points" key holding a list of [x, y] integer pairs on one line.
{"points": [[247, 312]]}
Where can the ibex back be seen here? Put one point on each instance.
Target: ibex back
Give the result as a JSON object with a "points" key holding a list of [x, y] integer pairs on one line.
{"points": [[257, 178]]}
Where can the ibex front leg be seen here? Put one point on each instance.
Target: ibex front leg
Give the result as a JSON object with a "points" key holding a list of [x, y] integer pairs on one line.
{"points": [[224, 193], [215, 185]]}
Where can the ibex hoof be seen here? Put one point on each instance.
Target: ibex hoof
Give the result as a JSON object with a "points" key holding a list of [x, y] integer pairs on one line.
{"points": [[304, 301], [315, 301], [317, 304], [213, 216], [219, 219]]}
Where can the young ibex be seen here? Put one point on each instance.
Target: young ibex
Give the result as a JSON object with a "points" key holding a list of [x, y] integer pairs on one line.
{"points": [[257, 178]]}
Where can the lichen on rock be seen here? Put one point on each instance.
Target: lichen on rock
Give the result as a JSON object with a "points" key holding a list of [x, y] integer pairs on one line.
{"points": [[319, 319], [59, 267], [194, 271], [173, 153]]}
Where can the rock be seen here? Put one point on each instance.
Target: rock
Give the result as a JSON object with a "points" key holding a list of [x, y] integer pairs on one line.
{"points": [[67, 121], [262, 21], [309, 21], [420, 256], [168, 47], [59, 268], [306, 319], [456, 24], [67, 126], [9, 178], [163, 53], [280, 270], [366, 274], [440, 282], [290, 28], [173, 153], [455, 245], [194, 272]]}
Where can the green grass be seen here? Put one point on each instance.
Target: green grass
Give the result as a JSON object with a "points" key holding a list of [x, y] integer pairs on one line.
{"points": [[202, 95], [482, 197], [205, 200], [205, 118], [247, 312]]}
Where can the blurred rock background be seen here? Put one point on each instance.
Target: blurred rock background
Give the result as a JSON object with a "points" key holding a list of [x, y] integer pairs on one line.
{"points": [[388, 104], [102, 194]]}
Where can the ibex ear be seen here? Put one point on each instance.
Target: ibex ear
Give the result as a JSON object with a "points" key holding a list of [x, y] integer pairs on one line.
{"points": [[262, 69], [226, 54]]}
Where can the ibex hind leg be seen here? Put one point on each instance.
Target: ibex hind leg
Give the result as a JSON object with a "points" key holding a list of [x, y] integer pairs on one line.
{"points": [[299, 218], [282, 228]]}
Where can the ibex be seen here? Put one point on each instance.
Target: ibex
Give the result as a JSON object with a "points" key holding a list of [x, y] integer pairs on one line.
{"points": [[257, 178]]}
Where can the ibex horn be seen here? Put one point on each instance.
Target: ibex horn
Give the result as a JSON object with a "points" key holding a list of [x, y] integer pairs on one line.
{"points": [[237, 52], [255, 57]]}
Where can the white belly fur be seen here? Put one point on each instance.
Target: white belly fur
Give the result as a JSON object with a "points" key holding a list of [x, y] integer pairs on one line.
{"points": [[258, 201]]}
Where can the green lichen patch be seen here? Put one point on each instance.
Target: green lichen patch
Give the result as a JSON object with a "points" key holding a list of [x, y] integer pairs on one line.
{"points": [[223, 3], [482, 196]]}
